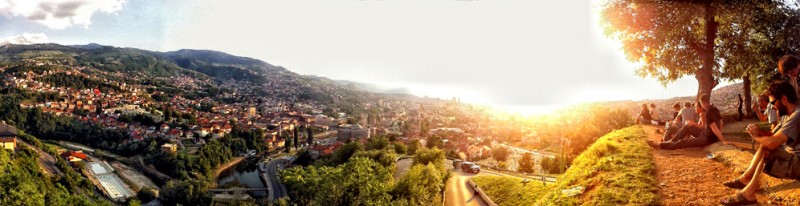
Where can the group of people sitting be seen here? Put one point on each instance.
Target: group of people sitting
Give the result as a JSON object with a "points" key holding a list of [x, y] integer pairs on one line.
{"points": [[649, 115], [778, 153]]}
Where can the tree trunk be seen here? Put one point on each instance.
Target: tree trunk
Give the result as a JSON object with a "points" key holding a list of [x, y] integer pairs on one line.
{"points": [[704, 75], [747, 97]]}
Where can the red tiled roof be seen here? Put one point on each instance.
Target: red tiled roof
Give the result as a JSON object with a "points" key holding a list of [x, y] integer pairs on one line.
{"points": [[80, 155]]}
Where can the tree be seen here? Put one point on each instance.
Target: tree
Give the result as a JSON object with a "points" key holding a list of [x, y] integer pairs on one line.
{"points": [[526, 163], [384, 157], [378, 143], [671, 39], [501, 153], [763, 33], [434, 141], [310, 134], [430, 156], [413, 147], [421, 185], [360, 181], [548, 165], [296, 137], [287, 145], [400, 148], [343, 154]]}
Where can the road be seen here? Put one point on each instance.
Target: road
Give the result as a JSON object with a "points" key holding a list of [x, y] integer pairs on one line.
{"points": [[276, 188], [46, 161], [402, 166], [459, 192]]}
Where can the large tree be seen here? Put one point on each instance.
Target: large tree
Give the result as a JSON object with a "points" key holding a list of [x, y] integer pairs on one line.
{"points": [[760, 33], [672, 39]]}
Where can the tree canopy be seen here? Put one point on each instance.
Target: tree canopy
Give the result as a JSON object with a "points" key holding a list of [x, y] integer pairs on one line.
{"points": [[709, 39]]}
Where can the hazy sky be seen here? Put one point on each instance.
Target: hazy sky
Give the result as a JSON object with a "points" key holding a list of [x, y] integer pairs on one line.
{"points": [[522, 55]]}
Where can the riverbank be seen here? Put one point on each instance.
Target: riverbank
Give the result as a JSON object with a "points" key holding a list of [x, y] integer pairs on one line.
{"points": [[235, 161]]}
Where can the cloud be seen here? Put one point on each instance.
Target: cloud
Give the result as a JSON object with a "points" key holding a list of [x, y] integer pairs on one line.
{"points": [[59, 14], [26, 38]]}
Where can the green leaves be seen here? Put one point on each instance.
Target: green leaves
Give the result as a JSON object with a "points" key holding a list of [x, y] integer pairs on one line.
{"points": [[708, 39], [360, 181], [366, 179], [526, 163], [23, 183]]}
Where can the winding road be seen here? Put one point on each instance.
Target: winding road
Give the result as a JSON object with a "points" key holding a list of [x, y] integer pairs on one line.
{"points": [[46, 161], [459, 192], [276, 189]]}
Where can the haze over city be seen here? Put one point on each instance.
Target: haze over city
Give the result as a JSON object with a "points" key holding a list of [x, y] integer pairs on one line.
{"points": [[518, 56], [399, 102]]}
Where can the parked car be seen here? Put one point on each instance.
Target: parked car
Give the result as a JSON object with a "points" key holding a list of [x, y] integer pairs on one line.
{"points": [[470, 167], [457, 163]]}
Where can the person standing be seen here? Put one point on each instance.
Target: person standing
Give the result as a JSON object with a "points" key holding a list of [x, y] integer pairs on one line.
{"points": [[739, 107]]}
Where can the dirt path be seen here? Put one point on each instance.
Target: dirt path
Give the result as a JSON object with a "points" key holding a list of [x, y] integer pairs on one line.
{"points": [[687, 177]]}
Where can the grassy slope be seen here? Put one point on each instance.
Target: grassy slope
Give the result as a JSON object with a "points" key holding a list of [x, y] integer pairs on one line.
{"points": [[510, 190], [618, 169]]}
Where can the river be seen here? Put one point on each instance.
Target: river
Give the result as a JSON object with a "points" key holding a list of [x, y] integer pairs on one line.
{"points": [[245, 174]]}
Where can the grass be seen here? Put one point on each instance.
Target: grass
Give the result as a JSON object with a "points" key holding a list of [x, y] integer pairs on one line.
{"points": [[505, 190], [618, 169]]}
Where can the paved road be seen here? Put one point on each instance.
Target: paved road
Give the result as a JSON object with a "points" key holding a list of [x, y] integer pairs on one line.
{"points": [[402, 167], [46, 161], [276, 188], [458, 192]]}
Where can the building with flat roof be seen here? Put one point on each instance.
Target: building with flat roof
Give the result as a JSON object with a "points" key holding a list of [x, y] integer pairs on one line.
{"points": [[352, 132]]}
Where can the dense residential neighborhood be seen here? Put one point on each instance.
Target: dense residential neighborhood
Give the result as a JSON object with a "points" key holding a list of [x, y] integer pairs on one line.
{"points": [[163, 122]]}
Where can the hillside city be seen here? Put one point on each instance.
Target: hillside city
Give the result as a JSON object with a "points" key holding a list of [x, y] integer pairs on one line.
{"points": [[613, 102], [141, 143], [146, 129]]}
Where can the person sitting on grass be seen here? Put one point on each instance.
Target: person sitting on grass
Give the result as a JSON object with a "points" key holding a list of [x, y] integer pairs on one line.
{"points": [[766, 111], [709, 134], [690, 128], [778, 154], [644, 115], [676, 109], [655, 115], [682, 118]]}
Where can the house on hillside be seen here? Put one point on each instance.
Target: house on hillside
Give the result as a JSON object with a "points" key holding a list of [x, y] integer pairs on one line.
{"points": [[74, 157], [8, 136], [169, 148]]}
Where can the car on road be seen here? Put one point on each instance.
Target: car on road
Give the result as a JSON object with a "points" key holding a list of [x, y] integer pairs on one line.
{"points": [[470, 167], [457, 163]]}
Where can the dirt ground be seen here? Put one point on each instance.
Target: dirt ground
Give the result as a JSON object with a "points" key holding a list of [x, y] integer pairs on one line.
{"points": [[688, 177]]}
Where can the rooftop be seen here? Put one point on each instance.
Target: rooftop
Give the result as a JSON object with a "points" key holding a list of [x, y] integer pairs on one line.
{"points": [[7, 130]]}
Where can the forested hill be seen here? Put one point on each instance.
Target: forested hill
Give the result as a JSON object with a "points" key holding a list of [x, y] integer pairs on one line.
{"points": [[214, 72]]}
